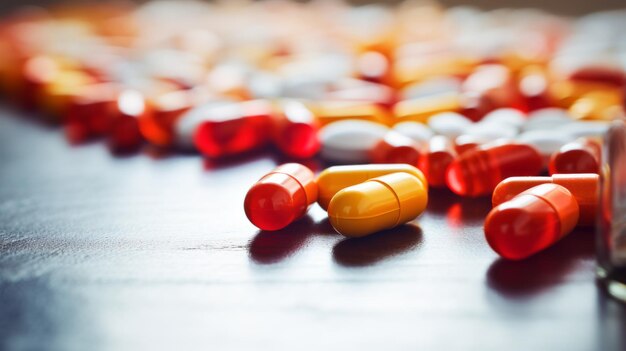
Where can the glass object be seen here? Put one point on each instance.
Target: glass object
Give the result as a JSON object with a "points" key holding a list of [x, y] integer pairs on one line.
{"points": [[611, 244]]}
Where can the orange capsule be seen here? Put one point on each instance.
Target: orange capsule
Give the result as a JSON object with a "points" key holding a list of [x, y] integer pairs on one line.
{"points": [[281, 196], [158, 126], [579, 156], [532, 221], [584, 187], [396, 148], [435, 161]]}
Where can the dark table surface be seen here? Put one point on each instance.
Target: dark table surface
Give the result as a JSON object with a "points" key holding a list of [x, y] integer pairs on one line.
{"points": [[153, 251]]}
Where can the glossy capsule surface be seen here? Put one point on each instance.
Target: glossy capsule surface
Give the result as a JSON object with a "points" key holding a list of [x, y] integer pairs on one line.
{"points": [[396, 148], [377, 204], [281, 196], [579, 156], [421, 109], [336, 178], [328, 112], [234, 128], [478, 171], [295, 130], [532, 221], [584, 188], [435, 160]]}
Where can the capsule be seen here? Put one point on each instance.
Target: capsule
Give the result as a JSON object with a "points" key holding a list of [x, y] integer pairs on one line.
{"points": [[295, 130], [124, 134], [532, 221], [377, 204], [89, 111], [546, 141], [495, 83], [333, 111], [533, 87], [234, 128], [466, 142], [449, 124], [158, 126], [584, 187], [421, 109], [335, 178], [579, 156], [396, 148], [597, 105], [478, 171], [435, 161], [350, 141], [281, 196], [56, 97], [419, 132]]}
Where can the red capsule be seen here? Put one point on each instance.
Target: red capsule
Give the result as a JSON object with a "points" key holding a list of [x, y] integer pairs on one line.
{"points": [[533, 86], [579, 156], [532, 221], [281, 196], [396, 148], [124, 134], [584, 187], [295, 130], [435, 161], [477, 172], [234, 128], [603, 75], [88, 114]]}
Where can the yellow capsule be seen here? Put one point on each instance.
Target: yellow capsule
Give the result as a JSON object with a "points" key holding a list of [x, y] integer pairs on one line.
{"points": [[332, 111], [421, 109], [377, 204], [336, 178], [597, 105]]}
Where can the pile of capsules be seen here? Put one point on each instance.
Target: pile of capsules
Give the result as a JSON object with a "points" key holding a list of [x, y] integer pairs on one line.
{"points": [[453, 98]]}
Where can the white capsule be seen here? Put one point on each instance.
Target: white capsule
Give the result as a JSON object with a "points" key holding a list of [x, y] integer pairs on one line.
{"points": [[449, 124], [546, 141], [547, 118], [419, 132], [581, 129], [432, 87], [505, 116], [350, 141], [491, 131]]}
